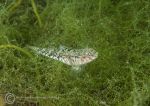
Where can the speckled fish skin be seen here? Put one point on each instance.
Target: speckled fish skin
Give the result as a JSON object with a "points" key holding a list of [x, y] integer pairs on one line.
{"points": [[73, 57]]}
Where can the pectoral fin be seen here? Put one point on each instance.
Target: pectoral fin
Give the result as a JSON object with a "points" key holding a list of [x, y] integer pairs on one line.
{"points": [[76, 68], [61, 47]]}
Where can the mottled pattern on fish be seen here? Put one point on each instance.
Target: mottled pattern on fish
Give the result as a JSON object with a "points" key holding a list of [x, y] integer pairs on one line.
{"points": [[73, 57]]}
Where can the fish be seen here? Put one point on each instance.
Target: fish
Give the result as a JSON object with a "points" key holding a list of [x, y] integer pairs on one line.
{"points": [[72, 57]]}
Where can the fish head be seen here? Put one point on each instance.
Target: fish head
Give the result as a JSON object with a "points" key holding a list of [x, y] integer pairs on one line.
{"points": [[87, 56], [91, 53]]}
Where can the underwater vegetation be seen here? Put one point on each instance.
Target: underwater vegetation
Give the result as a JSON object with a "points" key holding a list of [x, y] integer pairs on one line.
{"points": [[118, 30]]}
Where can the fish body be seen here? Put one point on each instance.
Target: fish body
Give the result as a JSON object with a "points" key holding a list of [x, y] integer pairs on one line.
{"points": [[72, 57]]}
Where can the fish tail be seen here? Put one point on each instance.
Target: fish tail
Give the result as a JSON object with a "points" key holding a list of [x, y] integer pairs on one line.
{"points": [[41, 51]]}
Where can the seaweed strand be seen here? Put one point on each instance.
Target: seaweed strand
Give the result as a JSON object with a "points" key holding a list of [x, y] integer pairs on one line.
{"points": [[36, 12]]}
